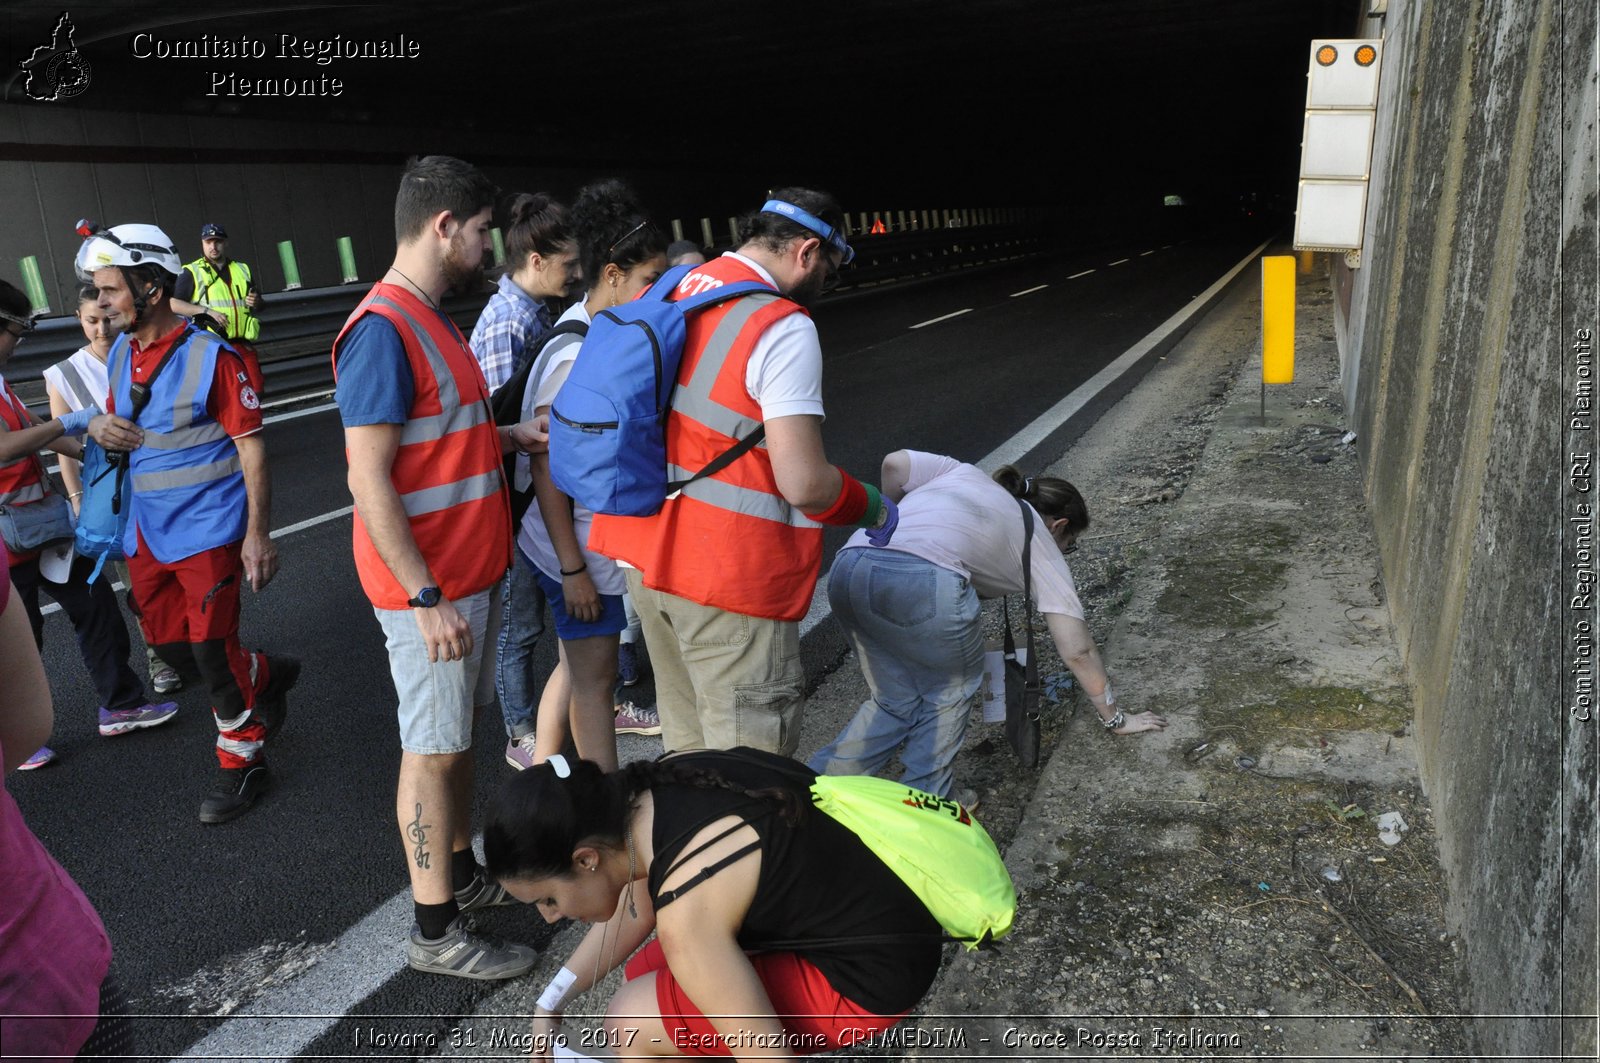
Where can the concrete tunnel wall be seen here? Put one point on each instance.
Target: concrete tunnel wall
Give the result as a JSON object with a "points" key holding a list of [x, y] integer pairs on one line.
{"points": [[264, 181], [1478, 271]]}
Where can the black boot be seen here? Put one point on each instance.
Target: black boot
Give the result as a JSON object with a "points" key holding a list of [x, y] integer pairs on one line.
{"points": [[236, 789]]}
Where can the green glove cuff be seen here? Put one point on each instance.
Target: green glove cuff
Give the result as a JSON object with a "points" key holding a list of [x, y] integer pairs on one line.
{"points": [[874, 512]]}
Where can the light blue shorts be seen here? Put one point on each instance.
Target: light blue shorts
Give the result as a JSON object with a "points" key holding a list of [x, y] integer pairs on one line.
{"points": [[438, 699]]}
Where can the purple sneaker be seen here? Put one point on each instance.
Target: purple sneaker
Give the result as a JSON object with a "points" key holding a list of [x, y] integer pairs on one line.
{"points": [[123, 720], [38, 760], [637, 720]]}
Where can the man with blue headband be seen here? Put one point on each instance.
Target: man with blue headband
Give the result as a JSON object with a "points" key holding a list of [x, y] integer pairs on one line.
{"points": [[722, 575]]}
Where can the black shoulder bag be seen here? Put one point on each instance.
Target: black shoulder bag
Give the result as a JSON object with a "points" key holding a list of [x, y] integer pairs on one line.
{"points": [[1022, 681]]}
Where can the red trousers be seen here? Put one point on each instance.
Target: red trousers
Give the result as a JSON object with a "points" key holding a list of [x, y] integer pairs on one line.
{"points": [[189, 612]]}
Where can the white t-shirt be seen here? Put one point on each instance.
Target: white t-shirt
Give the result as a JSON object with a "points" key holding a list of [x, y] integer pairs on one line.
{"points": [[90, 369], [533, 538], [956, 517], [784, 374]]}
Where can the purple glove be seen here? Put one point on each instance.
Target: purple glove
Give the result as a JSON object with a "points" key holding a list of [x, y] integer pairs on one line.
{"points": [[881, 535]]}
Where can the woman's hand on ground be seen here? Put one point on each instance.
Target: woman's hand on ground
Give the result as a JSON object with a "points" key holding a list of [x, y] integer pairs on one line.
{"points": [[1141, 721]]}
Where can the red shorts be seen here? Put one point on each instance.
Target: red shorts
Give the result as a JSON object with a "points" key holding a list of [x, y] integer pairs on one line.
{"points": [[814, 1016]]}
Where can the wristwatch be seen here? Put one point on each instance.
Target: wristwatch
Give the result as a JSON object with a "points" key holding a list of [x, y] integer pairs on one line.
{"points": [[426, 598]]}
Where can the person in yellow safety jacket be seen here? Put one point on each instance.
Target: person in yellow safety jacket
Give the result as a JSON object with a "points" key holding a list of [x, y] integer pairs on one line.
{"points": [[224, 291]]}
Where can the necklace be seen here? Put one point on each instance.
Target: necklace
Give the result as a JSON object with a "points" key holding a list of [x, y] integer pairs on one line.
{"points": [[417, 286]]}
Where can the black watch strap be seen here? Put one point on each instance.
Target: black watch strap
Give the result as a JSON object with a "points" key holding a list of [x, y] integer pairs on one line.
{"points": [[426, 598]]}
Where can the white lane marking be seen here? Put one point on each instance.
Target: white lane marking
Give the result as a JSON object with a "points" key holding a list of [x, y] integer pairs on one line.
{"points": [[1034, 434], [280, 533], [312, 522], [350, 971], [1030, 291], [1144, 253], [300, 398], [1085, 273], [1118, 262], [947, 317]]}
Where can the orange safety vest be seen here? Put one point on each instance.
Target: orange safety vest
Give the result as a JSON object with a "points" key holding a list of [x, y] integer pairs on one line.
{"points": [[447, 469], [21, 480], [729, 540]]}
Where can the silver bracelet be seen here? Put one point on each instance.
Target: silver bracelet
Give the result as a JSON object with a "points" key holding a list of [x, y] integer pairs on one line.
{"points": [[1116, 721]]}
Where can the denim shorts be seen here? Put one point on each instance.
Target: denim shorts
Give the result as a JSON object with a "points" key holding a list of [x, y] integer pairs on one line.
{"points": [[569, 629], [438, 698]]}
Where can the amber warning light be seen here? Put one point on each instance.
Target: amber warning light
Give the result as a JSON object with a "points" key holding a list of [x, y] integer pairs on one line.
{"points": [[1328, 53], [1365, 55]]}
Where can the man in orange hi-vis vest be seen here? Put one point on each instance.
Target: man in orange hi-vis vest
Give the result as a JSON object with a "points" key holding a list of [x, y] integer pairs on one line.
{"points": [[723, 573], [432, 540]]}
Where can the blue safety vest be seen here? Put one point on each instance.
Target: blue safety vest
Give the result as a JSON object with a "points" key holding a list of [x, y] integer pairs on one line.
{"points": [[188, 488]]}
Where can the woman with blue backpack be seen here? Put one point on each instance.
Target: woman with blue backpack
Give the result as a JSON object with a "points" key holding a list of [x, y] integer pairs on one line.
{"points": [[75, 383], [36, 525], [622, 254]]}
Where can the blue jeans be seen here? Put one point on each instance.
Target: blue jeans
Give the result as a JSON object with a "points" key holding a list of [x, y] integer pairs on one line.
{"points": [[522, 622], [916, 634]]}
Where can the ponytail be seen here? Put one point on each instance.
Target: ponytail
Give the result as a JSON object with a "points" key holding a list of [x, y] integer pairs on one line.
{"points": [[1052, 496], [535, 223]]}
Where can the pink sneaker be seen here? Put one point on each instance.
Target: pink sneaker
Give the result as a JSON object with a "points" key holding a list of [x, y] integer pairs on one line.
{"points": [[634, 720], [38, 760]]}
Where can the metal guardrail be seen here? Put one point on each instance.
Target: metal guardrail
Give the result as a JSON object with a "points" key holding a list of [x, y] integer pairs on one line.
{"points": [[300, 325]]}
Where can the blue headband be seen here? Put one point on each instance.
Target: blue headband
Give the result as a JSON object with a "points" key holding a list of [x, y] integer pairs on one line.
{"points": [[829, 234]]}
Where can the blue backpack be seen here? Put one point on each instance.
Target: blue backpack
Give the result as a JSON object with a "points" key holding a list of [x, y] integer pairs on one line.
{"points": [[608, 446], [103, 509]]}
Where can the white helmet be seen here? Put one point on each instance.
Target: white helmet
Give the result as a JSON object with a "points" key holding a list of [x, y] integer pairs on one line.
{"points": [[133, 244]]}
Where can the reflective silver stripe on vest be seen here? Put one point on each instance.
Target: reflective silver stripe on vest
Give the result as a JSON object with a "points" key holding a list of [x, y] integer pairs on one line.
{"points": [[457, 416], [197, 474], [185, 437], [78, 386], [693, 397], [31, 493], [189, 390], [742, 500], [433, 499]]}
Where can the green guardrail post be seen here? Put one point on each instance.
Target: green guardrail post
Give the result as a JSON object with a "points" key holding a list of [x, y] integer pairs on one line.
{"points": [[291, 268], [499, 246], [733, 232], [347, 260], [34, 283], [705, 233], [677, 229]]}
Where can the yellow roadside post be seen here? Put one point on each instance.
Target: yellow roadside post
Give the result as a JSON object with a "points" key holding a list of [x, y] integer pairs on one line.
{"points": [[1277, 324]]}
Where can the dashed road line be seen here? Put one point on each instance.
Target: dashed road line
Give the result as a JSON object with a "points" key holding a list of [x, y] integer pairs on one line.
{"points": [[1085, 273], [946, 317], [1118, 262], [1030, 291]]}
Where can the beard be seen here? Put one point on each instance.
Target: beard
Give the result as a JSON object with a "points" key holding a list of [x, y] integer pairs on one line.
{"points": [[460, 274]]}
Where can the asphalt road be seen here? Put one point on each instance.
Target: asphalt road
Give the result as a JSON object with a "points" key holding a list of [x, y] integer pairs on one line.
{"points": [[198, 915]]}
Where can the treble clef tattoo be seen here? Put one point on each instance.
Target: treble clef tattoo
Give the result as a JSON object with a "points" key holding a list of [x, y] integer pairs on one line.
{"points": [[417, 831]]}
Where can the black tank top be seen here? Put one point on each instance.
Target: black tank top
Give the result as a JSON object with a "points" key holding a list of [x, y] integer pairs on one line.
{"points": [[821, 893]]}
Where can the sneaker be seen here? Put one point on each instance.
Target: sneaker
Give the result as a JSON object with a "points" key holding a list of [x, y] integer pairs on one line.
{"points": [[482, 892], [165, 679], [235, 791], [39, 759], [464, 954], [121, 721], [272, 704], [634, 720], [519, 752], [627, 664], [966, 797]]}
